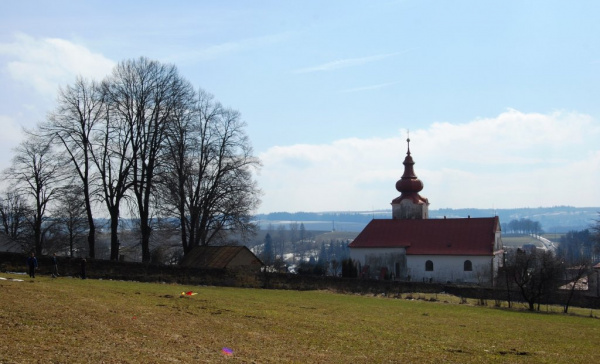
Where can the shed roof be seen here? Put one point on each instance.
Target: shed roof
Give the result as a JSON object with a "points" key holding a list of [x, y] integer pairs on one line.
{"points": [[470, 236], [216, 257]]}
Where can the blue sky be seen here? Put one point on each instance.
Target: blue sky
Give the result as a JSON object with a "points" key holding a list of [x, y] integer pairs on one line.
{"points": [[502, 99]]}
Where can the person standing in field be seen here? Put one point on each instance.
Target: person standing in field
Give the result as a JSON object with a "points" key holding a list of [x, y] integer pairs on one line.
{"points": [[32, 265], [54, 266], [83, 263]]}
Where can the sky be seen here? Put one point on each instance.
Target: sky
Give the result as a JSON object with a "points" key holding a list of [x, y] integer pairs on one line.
{"points": [[501, 100]]}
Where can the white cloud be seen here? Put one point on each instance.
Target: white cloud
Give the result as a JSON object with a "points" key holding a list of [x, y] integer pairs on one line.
{"points": [[219, 50], [46, 63], [344, 63], [512, 160], [9, 139]]}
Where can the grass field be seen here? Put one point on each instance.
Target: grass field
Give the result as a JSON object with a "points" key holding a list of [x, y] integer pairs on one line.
{"points": [[68, 320], [520, 240]]}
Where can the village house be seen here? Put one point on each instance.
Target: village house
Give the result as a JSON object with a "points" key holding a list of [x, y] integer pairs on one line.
{"points": [[410, 246]]}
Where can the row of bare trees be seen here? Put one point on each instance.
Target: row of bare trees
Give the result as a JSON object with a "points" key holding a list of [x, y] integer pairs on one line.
{"points": [[142, 141], [538, 275]]}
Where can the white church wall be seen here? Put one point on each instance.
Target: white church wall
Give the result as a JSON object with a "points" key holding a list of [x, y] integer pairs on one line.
{"points": [[498, 245], [450, 268], [394, 259]]}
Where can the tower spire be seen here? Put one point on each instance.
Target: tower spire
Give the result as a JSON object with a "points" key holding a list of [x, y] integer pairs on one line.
{"points": [[409, 205]]}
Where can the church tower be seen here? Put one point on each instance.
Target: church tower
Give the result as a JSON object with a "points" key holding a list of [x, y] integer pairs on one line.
{"points": [[409, 205]]}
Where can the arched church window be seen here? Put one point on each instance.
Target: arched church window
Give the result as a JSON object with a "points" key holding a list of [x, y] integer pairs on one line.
{"points": [[468, 266], [429, 266]]}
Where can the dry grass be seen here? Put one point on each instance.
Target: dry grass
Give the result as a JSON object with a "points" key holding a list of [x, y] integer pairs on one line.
{"points": [[68, 320], [516, 241]]}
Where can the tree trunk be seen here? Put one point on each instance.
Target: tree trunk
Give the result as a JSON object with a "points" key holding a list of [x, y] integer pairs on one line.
{"points": [[114, 234], [92, 241], [92, 228], [146, 231]]}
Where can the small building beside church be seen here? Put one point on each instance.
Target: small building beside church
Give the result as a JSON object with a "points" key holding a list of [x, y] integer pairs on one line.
{"points": [[410, 246], [230, 257]]}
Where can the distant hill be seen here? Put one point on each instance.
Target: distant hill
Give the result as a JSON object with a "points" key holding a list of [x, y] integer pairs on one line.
{"points": [[558, 219]]}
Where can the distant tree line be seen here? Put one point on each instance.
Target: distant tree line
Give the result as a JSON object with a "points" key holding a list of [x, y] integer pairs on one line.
{"points": [[522, 226], [320, 216], [143, 143]]}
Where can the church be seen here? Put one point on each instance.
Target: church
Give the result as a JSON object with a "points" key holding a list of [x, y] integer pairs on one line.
{"points": [[410, 246]]}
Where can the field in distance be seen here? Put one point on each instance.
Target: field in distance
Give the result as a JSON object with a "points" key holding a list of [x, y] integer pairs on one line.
{"points": [[68, 320]]}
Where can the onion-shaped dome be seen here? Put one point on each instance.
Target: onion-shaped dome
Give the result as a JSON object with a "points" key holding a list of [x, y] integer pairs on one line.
{"points": [[409, 185]]}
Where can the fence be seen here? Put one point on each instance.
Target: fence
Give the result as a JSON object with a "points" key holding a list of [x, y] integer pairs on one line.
{"points": [[142, 272]]}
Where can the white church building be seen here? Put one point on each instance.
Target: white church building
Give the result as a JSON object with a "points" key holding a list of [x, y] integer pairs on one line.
{"points": [[410, 246]]}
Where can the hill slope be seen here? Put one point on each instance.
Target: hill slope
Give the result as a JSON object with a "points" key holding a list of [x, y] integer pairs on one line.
{"points": [[559, 219]]}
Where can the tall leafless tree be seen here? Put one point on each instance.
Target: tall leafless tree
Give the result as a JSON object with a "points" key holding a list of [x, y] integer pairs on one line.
{"points": [[145, 94], [37, 174], [209, 182], [112, 157], [72, 124], [143, 127]]}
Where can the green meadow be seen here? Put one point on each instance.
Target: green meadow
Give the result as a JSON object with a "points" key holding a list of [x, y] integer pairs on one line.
{"points": [[68, 320]]}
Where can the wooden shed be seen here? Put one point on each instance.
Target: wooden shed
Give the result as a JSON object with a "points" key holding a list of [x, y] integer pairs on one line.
{"points": [[222, 257]]}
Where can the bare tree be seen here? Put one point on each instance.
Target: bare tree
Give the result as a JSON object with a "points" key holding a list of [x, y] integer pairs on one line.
{"points": [[71, 217], [280, 239], [79, 111], [111, 153], [293, 239], [537, 275], [37, 174], [184, 141], [267, 254], [144, 94], [14, 214], [573, 276], [334, 267], [210, 183]]}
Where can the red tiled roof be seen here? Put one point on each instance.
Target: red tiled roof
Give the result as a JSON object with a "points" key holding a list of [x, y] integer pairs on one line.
{"points": [[471, 236]]}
